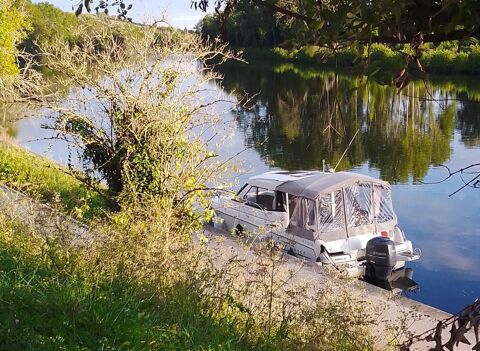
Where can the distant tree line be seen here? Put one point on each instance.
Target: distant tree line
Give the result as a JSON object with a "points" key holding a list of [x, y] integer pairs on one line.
{"points": [[377, 21], [247, 26]]}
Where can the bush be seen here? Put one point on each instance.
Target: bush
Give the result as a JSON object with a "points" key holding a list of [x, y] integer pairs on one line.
{"points": [[14, 26], [308, 53], [439, 61], [349, 57], [474, 60], [381, 56]]}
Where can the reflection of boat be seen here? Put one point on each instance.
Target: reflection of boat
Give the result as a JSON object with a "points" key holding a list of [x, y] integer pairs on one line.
{"points": [[332, 218], [400, 280]]}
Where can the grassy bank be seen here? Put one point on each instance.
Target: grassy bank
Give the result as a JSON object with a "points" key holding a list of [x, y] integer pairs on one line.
{"points": [[140, 286], [51, 300], [120, 297], [44, 180], [442, 59]]}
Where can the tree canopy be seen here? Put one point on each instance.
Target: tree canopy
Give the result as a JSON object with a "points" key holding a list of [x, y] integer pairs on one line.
{"points": [[381, 21], [48, 22], [14, 25]]}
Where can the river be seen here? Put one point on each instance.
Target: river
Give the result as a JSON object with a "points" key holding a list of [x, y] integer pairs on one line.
{"points": [[301, 116]]}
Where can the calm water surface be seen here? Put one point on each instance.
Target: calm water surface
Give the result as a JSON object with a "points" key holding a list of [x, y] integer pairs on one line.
{"points": [[301, 116]]}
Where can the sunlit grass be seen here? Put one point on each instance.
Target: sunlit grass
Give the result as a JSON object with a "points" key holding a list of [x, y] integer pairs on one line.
{"points": [[434, 60], [49, 301], [44, 180]]}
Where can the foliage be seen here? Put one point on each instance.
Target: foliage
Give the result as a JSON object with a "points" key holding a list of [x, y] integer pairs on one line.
{"points": [[250, 26], [48, 23], [14, 25], [383, 57], [450, 61], [137, 287], [342, 27], [104, 6], [382, 21], [379, 57], [43, 179]]}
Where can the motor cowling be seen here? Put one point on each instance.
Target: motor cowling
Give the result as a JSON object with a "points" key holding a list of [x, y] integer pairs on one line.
{"points": [[381, 258]]}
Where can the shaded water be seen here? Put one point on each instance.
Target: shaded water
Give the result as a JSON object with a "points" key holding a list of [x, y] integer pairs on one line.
{"points": [[303, 116]]}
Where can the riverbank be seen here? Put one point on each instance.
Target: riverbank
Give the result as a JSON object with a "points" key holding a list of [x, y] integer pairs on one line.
{"points": [[89, 318], [123, 315], [134, 283], [48, 182], [441, 60]]}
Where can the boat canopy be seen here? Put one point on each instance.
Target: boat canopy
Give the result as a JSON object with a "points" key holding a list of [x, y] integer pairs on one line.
{"points": [[335, 206]]}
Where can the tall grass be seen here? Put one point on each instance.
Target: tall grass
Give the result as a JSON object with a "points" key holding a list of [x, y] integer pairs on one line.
{"points": [[138, 287], [52, 300]]}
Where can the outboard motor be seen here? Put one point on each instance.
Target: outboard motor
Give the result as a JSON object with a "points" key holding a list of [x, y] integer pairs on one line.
{"points": [[381, 258]]}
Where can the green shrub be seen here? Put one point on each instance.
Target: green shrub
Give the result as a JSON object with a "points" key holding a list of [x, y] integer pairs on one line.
{"points": [[461, 63], [349, 57], [439, 61], [443, 58], [474, 60], [308, 53], [381, 56], [268, 54]]}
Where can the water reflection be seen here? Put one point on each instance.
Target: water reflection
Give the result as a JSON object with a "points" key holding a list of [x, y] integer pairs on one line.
{"points": [[300, 118], [9, 115], [468, 121]]}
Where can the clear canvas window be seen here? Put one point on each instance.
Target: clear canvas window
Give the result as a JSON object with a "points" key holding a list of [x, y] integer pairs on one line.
{"points": [[358, 205], [331, 213], [302, 212], [382, 197]]}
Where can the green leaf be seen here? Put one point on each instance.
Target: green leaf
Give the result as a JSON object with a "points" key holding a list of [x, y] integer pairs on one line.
{"points": [[317, 24]]}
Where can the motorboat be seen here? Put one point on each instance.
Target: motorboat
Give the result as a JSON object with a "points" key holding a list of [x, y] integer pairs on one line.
{"points": [[333, 218]]}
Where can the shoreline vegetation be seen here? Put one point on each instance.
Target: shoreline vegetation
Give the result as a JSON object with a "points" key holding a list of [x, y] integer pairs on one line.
{"points": [[142, 280], [113, 294], [441, 60], [350, 36], [47, 182]]}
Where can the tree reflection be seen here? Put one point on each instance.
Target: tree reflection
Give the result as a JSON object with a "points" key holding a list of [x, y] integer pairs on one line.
{"points": [[301, 117], [9, 115], [468, 121]]}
